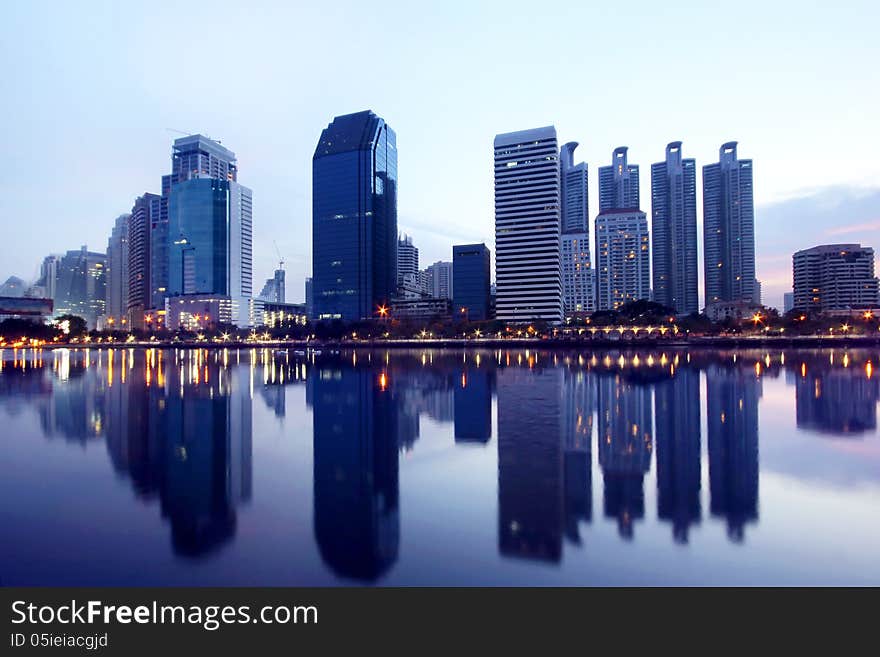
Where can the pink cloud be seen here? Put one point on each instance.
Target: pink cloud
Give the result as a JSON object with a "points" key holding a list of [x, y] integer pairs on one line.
{"points": [[853, 228]]}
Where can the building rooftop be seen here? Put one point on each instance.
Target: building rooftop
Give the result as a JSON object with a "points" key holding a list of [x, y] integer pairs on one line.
{"points": [[524, 136], [349, 132]]}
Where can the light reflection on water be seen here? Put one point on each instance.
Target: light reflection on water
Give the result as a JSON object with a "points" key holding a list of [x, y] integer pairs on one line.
{"points": [[519, 466]]}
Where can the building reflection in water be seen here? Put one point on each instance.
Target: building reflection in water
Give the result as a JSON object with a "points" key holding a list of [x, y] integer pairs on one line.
{"points": [[732, 419], [176, 423], [178, 426], [625, 445], [356, 487], [473, 404], [677, 425], [836, 401], [530, 463], [578, 406]]}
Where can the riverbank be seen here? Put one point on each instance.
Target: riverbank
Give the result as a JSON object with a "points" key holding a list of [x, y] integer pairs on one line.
{"points": [[603, 342]]}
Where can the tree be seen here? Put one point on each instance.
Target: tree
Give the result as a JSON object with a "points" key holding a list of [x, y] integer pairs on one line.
{"points": [[72, 326]]}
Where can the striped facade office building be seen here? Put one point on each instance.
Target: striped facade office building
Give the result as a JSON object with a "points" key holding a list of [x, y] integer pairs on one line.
{"points": [[527, 226]]}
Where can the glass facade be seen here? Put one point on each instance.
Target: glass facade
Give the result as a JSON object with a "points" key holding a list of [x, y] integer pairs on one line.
{"points": [[354, 215], [471, 280], [198, 237]]}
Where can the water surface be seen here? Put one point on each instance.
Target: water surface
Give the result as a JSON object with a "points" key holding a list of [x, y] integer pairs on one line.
{"points": [[439, 467]]}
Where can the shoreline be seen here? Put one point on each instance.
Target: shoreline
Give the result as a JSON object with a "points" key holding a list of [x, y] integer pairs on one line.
{"points": [[705, 343]]}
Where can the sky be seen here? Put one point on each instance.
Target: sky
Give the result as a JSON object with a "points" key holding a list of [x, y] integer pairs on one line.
{"points": [[93, 92]]}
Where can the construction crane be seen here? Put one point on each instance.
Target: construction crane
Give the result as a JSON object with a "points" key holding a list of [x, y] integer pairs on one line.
{"points": [[280, 257], [190, 134]]}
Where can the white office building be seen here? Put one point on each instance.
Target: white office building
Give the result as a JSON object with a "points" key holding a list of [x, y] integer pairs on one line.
{"points": [[527, 226]]}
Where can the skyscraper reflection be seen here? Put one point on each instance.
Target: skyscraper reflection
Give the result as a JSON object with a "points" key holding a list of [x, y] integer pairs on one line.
{"points": [[530, 463], [473, 404], [356, 488], [625, 445], [732, 419], [677, 423], [837, 401], [578, 405], [207, 456]]}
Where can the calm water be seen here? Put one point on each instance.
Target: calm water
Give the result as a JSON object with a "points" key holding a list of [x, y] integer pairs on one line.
{"points": [[264, 467]]}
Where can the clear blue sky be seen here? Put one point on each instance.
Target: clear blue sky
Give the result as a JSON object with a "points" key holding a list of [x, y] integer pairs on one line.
{"points": [[89, 89]]}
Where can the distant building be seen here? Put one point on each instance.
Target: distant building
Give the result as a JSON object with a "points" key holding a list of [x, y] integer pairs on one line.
{"points": [[756, 294], [195, 312], [674, 231], [407, 258], [619, 183], [527, 226], [787, 302], [438, 280], [471, 276], [721, 310], [24, 308], [578, 293], [48, 280], [623, 261], [310, 307], [81, 288], [834, 277], [274, 289], [729, 228], [354, 217], [421, 309], [117, 270], [411, 286], [277, 314], [13, 287]]}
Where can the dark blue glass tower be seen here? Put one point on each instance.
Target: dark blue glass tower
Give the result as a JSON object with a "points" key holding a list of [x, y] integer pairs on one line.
{"points": [[354, 217], [470, 281]]}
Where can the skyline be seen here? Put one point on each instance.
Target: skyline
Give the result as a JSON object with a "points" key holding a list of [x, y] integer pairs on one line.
{"points": [[275, 100]]}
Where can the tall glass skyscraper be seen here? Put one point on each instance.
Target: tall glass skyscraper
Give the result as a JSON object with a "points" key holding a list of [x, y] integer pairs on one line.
{"points": [[527, 226], [578, 295], [210, 250], [674, 231], [354, 217], [729, 228], [619, 183]]}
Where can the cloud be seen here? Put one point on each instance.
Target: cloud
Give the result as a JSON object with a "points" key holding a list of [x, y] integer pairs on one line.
{"points": [[855, 228], [817, 217]]}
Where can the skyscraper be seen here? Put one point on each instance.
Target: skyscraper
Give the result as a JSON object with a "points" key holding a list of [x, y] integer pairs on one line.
{"points": [[117, 270], [834, 277], [354, 217], [407, 258], [623, 266], [728, 228], [674, 229], [619, 183], [470, 272], [141, 242], [210, 230], [527, 226], [193, 156], [578, 294]]}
